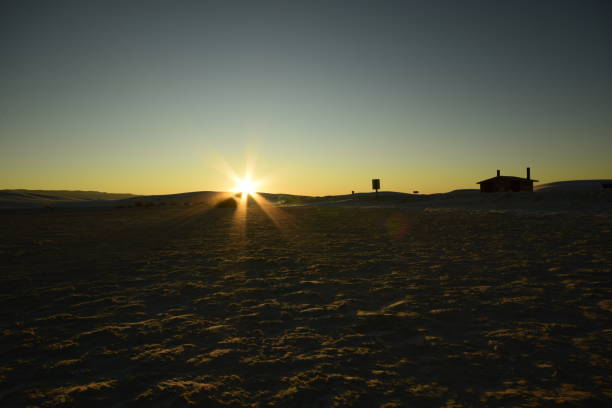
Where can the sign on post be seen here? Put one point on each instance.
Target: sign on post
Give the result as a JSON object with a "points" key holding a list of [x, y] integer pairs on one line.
{"points": [[376, 185]]}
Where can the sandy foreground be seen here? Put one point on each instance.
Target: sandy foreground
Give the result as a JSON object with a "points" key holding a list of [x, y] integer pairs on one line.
{"points": [[318, 307]]}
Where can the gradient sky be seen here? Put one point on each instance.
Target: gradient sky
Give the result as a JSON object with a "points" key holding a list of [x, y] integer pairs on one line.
{"points": [[152, 96]]}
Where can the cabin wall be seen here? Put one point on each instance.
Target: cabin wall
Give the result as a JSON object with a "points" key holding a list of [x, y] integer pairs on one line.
{"points": [[501, 185]]}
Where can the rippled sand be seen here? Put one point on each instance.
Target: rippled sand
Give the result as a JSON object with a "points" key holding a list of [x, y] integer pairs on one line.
{"points": [[367, 307]]}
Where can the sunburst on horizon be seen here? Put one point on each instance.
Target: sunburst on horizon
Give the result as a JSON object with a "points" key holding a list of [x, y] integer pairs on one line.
{"points": [[245, 185]]}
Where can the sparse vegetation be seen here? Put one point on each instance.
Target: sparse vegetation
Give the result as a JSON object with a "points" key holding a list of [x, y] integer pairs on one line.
{"points": [[227, 203]]}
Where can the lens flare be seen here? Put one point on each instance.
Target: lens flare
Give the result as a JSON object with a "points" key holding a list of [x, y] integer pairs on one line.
{"points": [[245, 186]]}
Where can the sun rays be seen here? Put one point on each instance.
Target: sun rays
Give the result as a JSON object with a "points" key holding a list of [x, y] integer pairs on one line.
{"points": [[245, 185], [246, 195], [240, 199]]}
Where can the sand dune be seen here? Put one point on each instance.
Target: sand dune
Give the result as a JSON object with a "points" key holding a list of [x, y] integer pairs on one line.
{"points": [[574, 185], [547, 200], [40, 198]]}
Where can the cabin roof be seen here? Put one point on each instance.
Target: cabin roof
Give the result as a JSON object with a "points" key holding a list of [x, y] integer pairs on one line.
{"points": [[507, 178]]}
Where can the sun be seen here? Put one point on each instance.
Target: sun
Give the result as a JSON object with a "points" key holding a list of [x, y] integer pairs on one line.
{"points": [[245, 186]]}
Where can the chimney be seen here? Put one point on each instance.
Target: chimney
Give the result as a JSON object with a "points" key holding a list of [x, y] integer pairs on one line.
{"points": [[528, 173], [497, 173]]}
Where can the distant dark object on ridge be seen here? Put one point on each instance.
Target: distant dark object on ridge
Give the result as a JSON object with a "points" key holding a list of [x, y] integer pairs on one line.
{"points": [[507, 183]]}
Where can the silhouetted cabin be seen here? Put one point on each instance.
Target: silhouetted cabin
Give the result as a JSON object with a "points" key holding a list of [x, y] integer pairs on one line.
{"points": [[507, 183]]}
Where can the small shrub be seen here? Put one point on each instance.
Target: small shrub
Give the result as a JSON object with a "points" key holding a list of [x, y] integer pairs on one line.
{"points": [[227, 203]]}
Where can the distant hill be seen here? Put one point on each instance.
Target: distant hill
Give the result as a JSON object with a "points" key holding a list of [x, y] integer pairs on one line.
{"points": [[64, 198], [40, 198], [15, 199], [574, 185], [562, 195]]}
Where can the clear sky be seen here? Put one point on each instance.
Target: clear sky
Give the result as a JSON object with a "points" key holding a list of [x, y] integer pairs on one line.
{"points": [[151, 96]]}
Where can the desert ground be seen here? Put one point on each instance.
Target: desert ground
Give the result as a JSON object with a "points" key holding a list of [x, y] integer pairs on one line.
{"points": [[305, 306]]}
